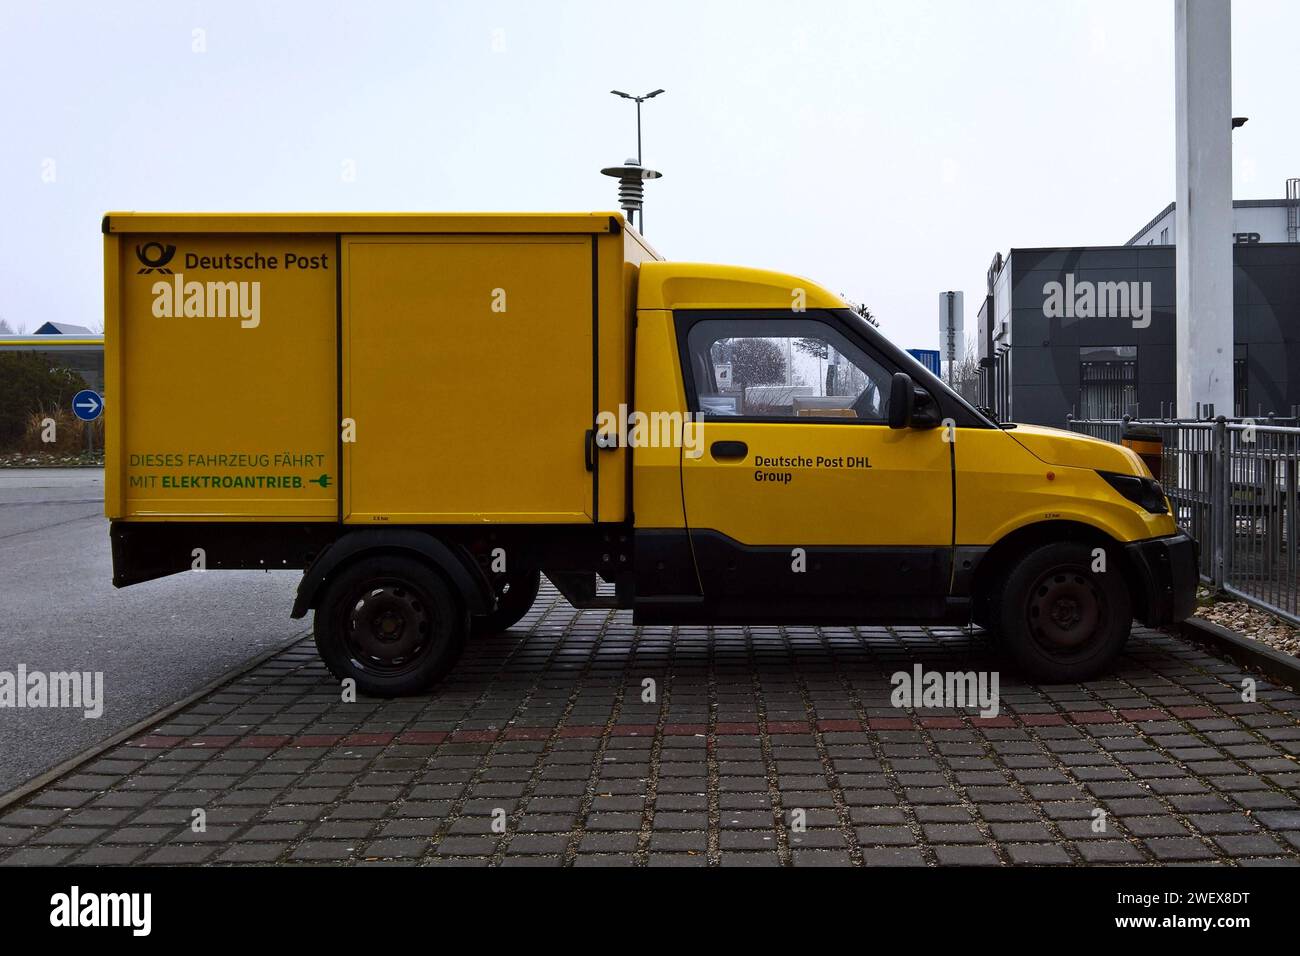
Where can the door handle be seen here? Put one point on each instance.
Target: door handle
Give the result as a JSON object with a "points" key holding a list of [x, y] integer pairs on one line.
{"points": [[591, 444], [729, 450]]}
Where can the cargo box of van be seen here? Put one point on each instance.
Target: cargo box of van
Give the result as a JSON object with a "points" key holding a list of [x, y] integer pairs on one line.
{"points": [[364, 369]]}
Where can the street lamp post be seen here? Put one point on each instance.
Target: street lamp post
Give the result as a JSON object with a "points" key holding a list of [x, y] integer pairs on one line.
{"points": [[631, 174], [639, 100]]}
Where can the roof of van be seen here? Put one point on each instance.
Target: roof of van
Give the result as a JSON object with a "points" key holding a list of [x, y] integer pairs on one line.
{"points": [[701, 285], [362, 222]]}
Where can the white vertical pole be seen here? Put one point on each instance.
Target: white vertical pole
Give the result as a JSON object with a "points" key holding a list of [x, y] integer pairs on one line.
{"points": [[952, 338], [1203, 134]]}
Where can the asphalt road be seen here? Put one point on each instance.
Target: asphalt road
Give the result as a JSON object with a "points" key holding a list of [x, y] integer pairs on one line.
{"points": [[154, 642]]}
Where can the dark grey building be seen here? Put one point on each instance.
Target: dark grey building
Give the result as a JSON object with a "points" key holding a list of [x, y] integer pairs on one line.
{"points": [[1090, 331]]}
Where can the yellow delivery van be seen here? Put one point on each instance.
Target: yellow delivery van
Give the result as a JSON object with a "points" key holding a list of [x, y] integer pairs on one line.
{"points": [[427, 412]]}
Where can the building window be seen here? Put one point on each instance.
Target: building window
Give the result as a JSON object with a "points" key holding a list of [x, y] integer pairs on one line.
{"points": [[1164, 236], [1107, 381]]}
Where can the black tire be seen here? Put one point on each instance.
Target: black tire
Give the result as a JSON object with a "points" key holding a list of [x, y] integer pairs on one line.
{"points": [[516, 593], [392, 624], [1057, 619]]}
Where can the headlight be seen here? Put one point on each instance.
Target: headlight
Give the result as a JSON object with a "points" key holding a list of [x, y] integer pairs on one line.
{"points": [[1146, 493]]}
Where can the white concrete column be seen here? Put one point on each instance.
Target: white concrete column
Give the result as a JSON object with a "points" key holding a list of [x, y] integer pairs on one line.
{"points": [[1203, 221]]}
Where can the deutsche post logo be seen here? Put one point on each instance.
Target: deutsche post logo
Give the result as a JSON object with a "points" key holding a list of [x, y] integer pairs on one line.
{"points": [[154, 257]]}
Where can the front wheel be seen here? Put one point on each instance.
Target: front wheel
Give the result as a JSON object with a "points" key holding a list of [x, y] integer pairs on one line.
{"points": [[392, 624], [1064, 612]]}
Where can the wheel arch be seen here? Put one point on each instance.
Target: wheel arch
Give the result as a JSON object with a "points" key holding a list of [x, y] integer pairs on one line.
{"points": [[451, 560], [1009, 547]]}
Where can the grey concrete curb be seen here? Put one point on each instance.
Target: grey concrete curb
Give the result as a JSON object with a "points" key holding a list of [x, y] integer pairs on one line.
{"points": [[72, 763], [1282, 668]]}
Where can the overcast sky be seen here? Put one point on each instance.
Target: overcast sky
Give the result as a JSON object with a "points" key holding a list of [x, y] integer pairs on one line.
{"points": [[886, 150]]}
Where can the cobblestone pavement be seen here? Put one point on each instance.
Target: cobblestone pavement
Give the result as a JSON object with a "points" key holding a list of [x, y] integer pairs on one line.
{"points": [[761, 746]]}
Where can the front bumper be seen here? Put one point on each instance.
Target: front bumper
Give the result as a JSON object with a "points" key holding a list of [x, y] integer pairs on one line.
{"points": [[1166, 572]]}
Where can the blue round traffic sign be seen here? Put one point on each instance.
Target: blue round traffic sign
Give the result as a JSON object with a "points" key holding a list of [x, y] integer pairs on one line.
{"points": [[87, 405]]}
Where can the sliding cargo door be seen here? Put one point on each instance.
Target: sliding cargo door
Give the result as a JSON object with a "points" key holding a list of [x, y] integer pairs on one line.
{"points": [[467, 379]]}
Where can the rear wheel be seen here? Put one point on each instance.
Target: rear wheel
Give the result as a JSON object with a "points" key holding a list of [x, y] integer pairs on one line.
{"points": [[392, 624], [1057, 618], [516, 593]]}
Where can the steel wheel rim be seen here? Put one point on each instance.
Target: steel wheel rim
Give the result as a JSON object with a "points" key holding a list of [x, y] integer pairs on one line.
{"points": [[1066, 610], [388, 627]]}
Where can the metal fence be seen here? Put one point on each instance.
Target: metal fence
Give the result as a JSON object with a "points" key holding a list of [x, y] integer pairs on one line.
{"points": [[1233, 487]]}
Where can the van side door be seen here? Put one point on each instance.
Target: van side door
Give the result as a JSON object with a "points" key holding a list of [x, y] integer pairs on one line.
{"points": [[802, 503]]}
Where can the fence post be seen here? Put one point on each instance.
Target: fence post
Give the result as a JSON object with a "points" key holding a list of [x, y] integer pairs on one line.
{"points": [[1221, 505]]}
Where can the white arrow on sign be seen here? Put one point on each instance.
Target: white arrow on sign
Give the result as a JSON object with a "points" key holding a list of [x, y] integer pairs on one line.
{"points": [[89, 404]]}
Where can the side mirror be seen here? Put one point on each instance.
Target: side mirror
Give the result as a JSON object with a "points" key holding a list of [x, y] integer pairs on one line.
{"points": [[910, 405], [925, 410], [901, 395]]}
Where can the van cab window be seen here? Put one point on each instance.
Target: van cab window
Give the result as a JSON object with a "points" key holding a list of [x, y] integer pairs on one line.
{"points": [[784, 368]]}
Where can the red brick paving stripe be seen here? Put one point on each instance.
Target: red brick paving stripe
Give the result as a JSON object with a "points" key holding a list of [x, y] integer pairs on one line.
{"points": [[834, 726], [433, 737], [685, 730], [422, 736], [474, 736], [570, 732], [788, 727], [528, 733], [1149, 713], [734, 728], [632, 730]]}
